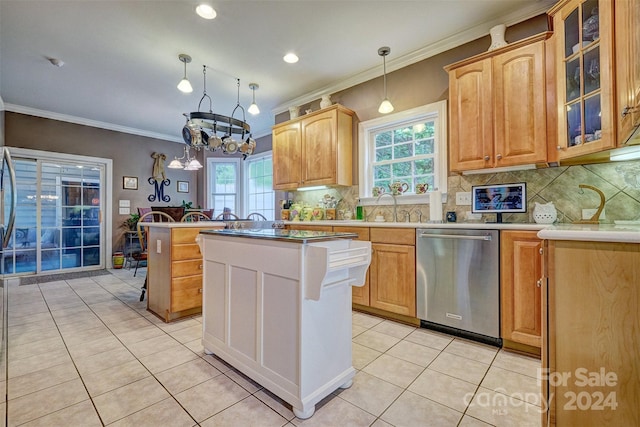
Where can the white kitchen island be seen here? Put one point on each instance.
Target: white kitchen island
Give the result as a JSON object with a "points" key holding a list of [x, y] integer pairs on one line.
{"points": [[277, 307]]}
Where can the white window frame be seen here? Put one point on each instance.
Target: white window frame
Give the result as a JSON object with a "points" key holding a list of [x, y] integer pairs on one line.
{"points": [[237, 210], [437, 112], [245, 181]]}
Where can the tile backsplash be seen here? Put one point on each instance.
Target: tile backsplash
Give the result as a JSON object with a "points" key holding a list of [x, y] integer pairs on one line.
{"points": [[619, 181]]}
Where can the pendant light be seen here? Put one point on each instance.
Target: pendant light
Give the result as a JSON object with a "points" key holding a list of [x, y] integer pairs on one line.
{"points": [[386, 106], [190, 163], [253, 108], [185, 85]]}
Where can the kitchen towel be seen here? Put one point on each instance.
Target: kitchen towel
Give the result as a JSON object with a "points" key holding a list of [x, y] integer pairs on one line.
{"points": [[435, 206]]}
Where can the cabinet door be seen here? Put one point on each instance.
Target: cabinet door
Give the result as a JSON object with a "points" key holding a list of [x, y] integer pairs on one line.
{"points": [[584, 52], [627, 22], [186, 293], [471, 117], [519, 87], [319, 149], [392, 277], [520, 287], [287, 152], [359, 294]]}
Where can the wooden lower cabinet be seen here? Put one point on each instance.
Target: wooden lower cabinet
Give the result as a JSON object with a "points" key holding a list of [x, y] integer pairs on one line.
{"points": [[593, 341], [392, 274], [520, 289], [175, 273], [390, 287], [359, 294]]}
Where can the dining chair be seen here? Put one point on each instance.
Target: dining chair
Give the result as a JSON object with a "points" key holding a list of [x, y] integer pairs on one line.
{"points": [[195, 216], [228, 215], [257, 216]]}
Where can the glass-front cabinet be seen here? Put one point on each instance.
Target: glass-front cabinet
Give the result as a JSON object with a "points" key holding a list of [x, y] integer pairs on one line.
{"points": [[584, 49]]}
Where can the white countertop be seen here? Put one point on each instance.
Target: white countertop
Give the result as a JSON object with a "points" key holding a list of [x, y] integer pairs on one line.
{"points": [[196, 224], [624, 233], [467, 225]]}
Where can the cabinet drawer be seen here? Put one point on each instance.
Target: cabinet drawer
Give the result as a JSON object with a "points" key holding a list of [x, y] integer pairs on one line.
{"points": [[184, 235], [398, 236], [186, 293], [362, 232], [307, 226], [184, 252], [186, 268]]}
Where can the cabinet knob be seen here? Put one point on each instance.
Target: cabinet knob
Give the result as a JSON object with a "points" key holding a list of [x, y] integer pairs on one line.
{"points": [[200, 267], [200, 290], [558, 148], [499, 156], [539, 283], [487, 158], [540, 251]]}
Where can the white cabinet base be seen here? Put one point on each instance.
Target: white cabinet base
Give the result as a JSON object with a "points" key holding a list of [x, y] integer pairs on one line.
{"points": [[280, 312]]}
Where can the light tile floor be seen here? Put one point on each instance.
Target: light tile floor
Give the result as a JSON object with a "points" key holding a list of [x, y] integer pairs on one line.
{"points": [[85, 352]]}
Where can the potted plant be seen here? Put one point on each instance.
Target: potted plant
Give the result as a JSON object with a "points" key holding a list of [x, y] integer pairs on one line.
{"points": [[131, 222]]}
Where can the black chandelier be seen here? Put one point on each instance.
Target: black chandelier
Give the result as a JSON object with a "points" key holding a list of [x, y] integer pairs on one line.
{"points": [[213, 131]]}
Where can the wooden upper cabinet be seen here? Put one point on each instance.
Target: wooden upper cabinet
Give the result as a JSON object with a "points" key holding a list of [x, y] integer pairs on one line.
{"points": [[584, 33], [315, 149], [497, 101], [627, 43], [520, 112], [287, 156], [471, 116]]}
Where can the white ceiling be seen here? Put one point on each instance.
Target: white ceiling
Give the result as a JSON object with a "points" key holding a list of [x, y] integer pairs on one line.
{"points": [[121, 62]]}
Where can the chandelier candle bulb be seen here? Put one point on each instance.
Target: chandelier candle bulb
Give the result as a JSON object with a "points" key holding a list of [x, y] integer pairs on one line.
{"points": [[435, 206]]}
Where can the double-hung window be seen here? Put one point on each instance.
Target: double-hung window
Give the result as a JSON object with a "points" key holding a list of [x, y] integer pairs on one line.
{"points": [[224, 185], [241, 187], [408, 147], [258, 185]]}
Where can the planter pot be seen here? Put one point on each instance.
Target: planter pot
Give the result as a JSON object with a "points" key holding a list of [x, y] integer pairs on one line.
{"points": [[118, 260]]}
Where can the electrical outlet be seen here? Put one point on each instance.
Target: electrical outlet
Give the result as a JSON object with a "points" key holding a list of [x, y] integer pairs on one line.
{"points": [[159, 246], [588, 213], [463, 198]]}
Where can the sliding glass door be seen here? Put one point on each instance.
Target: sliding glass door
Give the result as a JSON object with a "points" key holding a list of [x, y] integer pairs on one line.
{"points": [[58, 216]]}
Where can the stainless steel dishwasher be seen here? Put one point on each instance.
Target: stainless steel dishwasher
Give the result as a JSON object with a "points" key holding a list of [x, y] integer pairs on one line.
{"points": [[458, 287]]}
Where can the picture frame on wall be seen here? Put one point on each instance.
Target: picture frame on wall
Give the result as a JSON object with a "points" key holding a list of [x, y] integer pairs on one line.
{"points": [[183, 186], [130, 182]]}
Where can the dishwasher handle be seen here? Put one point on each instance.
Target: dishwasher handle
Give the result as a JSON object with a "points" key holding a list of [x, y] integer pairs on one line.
{"points": [[454, 236]]}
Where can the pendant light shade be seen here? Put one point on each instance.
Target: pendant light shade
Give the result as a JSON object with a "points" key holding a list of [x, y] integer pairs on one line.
{"points": [[185, 85], [253, 108], [385, 107]]}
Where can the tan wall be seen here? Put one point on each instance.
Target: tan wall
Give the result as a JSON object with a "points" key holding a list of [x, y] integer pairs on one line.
{"points": [[412, 86]]}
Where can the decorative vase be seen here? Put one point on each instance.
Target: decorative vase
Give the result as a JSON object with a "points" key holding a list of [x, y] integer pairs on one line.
{"points": [[497, 36], [545, 213], [325, 101], [293, 112]]}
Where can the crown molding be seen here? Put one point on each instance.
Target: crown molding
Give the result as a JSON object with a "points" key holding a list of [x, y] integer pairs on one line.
{"points": [[87, 122], [532, 9]]}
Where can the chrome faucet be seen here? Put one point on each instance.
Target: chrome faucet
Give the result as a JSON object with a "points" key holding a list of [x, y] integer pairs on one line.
{"points": [[395, 205]]}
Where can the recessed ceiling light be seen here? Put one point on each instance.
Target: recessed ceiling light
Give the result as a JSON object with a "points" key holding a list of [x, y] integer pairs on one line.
{"points": [[291, 58], [205, 11]]}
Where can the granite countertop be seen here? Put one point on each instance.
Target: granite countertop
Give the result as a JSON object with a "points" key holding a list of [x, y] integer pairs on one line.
{"points": [[296, 236]]}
